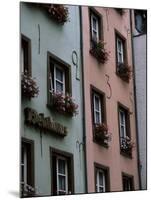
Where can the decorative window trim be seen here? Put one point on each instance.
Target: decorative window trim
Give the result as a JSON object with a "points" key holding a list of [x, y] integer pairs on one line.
{"points": [[70, 174], [131, 178], [126, 153], [106, 171], [28, 189]]}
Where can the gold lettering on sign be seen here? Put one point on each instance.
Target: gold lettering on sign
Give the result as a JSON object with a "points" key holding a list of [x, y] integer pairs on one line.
{"points": [[43, 123]]}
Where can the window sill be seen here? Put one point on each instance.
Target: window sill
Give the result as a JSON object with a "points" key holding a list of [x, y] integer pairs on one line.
{"points": [[100, 142], [126, 154], [53, 109]]}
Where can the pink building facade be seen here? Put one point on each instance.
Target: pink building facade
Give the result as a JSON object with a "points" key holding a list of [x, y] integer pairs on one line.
{"points": [[111, 138]]}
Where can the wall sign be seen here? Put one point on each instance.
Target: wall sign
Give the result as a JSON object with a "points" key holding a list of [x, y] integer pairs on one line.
{"points": [[45, 124]]}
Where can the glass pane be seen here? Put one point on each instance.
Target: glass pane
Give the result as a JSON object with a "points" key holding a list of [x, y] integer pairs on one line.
{"points": [[120, 58], [97, 103], [94, 23], [119, 45], [122, 131], [61, 166], [59, 87], [122, 117], [62, 182], [100, 178], [59, 74], [94, 35], [97, 117]]}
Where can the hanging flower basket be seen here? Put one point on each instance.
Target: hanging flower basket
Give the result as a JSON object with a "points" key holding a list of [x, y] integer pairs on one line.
{"points": [[124, 71], [127, 145], [101, 133], [99, 52], [29, 87], [64, 104], [59, 13]]}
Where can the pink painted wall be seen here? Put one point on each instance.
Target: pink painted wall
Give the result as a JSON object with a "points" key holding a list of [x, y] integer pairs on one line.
{"points": [[94, 74]]}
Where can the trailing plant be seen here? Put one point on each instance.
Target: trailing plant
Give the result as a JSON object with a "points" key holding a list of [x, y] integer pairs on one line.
{"points": [[59, 13], [124, 71], [126, 145], [64, 104], [99, 52], [27, 190], [101, 133], [29, 87]]}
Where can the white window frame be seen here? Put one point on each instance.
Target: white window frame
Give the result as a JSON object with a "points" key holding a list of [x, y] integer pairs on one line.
{"points": [[123, 135], [97, 27], [121, 52], [56, 80], [98, 185], [95, 110], [64, 175]]}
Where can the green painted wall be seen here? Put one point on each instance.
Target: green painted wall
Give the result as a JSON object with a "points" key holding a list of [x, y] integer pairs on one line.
{"points": [[60, 40]]}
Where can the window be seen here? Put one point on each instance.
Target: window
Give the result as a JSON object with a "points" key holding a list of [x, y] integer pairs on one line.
{"points": [[127, 182], [97, 109], [59, 79], [101, 178], [100, 181], [59, 76], [120, 50], [100, 129], [122, 117], [98, 105], [25, 55], [95, 26], [27, 168], [141, 21], [124, 129], [62, 172]]}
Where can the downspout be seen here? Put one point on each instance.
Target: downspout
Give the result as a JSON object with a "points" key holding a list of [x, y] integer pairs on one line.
{"points": [[135, 99], [83, 98]]}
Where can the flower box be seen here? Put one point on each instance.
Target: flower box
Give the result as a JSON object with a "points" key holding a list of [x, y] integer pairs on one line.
{"points": [[101, 134], [29, 87], [126, 145], [64, 104], [99, 52], [124, 71], [58, 13]]}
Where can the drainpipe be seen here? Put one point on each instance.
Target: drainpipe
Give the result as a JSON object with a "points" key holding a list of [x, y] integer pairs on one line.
{"points": [[83, 97], [136, 112]]}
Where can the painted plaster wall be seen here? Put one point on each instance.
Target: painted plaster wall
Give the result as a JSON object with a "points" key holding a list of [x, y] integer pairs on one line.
{"points": [[140, 78], [61, 41], [95, 74]]}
